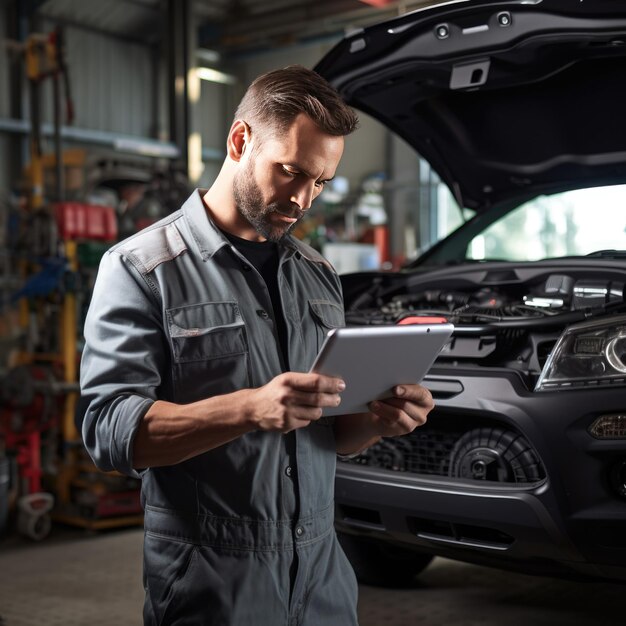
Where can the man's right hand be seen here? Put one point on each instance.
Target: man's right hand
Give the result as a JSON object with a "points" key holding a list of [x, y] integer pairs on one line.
{"points": [[170, 433], [293, 400]]}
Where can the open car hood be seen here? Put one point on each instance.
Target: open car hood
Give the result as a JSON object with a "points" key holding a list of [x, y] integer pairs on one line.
{"points": [[505, 99]]}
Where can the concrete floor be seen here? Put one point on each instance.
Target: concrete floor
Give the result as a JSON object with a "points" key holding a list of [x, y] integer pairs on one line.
{"points": [[84, 579]]}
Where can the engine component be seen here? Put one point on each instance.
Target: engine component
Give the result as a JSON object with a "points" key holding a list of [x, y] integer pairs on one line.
{"points": [[495, 454], [596, 293]]}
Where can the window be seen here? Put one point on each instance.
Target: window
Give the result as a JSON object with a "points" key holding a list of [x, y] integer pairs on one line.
{"points": [[573, 223]]}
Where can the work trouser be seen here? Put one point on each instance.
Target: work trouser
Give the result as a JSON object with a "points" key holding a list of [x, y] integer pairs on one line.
{"points": [[237, 572]]}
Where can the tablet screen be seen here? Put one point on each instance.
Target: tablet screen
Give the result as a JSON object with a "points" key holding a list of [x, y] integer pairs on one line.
{"points": [[373, 360]]}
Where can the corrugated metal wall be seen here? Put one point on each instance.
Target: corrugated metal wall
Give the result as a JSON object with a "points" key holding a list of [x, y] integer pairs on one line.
{"points": [[121, 87], [112, 83], [112, 87]]}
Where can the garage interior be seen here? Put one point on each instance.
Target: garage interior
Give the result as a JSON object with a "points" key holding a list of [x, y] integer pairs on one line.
{"points": [[110, 114]]}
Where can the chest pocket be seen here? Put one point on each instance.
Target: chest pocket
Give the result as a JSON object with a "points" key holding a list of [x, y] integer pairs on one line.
{"points": [[209, 349], [326, 316]]}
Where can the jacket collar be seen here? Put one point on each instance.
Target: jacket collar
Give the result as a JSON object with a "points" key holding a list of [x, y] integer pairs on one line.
{"points": [[208, 236]]}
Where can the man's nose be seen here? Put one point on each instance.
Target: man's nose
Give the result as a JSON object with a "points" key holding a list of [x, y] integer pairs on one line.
{"points": [[303, 196]]}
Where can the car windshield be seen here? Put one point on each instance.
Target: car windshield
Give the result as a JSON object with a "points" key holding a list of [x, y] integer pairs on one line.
{"points": [[571, 223]]}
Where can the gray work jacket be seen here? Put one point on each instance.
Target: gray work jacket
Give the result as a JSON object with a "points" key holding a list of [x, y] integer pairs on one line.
{"points": [[178, 314]]}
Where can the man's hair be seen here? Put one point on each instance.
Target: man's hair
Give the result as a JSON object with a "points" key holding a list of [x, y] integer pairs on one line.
{"points": [[276, 98]]}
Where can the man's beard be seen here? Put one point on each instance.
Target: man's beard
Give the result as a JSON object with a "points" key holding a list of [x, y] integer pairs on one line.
{"points": [[250, 204]]}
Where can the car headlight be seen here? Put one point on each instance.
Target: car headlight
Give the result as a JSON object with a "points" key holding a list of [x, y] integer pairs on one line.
{"points": [[586, 354]]}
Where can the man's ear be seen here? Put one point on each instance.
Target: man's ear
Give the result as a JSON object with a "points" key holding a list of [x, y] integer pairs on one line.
{"points": [[238, 140]]}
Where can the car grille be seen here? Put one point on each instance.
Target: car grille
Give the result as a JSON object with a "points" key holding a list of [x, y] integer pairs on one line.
{"points": [[486, 451], [418, 453]]}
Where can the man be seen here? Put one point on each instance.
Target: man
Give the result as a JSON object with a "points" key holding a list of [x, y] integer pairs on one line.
{"points": [[199, 337]]}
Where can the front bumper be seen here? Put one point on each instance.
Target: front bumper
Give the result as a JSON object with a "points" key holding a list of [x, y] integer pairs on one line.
{"points": [[567, 524]]}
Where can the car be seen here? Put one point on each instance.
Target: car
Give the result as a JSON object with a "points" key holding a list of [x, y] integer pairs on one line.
{"points": [[518, 108]]}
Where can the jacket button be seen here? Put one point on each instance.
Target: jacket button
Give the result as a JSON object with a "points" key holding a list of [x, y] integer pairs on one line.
{"points": [[288, 471], [262, 314], [246, 267], [299, 531]]}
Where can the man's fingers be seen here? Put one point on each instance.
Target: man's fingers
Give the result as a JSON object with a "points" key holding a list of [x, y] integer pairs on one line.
{"points": [[313, 382], [302, 398]]}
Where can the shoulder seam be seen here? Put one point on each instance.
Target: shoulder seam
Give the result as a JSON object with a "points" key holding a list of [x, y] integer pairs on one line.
{"points": [[153, 247]]}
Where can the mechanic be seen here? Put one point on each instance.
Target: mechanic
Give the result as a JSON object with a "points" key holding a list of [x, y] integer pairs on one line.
{"points": [[198, 340]]}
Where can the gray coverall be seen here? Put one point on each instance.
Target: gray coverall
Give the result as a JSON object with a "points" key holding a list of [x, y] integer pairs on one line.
{"points": [[242, 534]]}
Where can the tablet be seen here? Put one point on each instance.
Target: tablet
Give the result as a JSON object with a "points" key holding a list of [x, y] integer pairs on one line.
{"points": [[373, 360]]}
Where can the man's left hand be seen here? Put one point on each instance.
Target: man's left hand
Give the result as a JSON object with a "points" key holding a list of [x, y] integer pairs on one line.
{"points": [[401, 414]]}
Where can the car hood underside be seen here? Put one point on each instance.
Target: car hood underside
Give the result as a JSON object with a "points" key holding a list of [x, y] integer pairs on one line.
{"points": [[502, 108]]}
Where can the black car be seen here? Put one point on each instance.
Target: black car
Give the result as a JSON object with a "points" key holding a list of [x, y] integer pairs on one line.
{"points": [[520, 108]]}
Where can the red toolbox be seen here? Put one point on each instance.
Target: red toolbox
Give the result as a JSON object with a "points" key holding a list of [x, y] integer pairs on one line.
{"points": [[76, 220]]}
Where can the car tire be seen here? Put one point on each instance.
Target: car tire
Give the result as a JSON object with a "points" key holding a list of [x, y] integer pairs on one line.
{"points": [[383, 565]]}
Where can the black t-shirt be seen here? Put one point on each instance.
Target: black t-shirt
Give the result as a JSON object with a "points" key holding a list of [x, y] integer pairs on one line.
{"points": [[263, 255]]}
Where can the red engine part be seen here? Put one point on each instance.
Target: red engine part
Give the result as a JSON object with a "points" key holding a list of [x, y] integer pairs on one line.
{"points": [[421, 319]]}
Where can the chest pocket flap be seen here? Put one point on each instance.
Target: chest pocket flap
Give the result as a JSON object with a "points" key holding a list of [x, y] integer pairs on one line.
{"points": [[327, 313], [210, 330]]}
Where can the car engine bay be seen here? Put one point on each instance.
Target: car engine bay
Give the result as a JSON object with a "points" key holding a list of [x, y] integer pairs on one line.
{"points": [[504, 315]]}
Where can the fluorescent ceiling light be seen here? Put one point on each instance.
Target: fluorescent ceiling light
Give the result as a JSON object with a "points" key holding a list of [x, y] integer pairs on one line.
{"points": [[215, 76]]}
